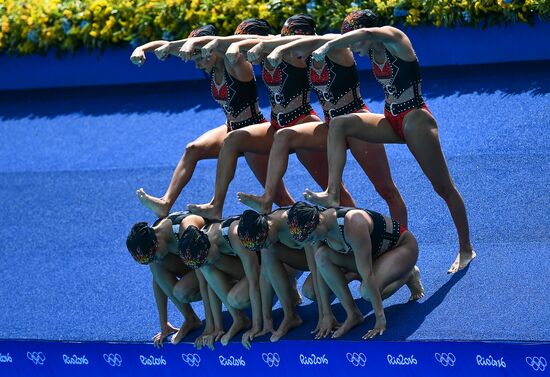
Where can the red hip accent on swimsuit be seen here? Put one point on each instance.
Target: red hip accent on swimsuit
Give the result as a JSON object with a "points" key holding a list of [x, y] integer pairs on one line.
{"points": [[396, 121]]}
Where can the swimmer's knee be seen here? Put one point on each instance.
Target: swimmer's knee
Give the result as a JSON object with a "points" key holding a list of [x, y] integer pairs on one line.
{"points": [[183, 294], [337, 122], [193, 151], [284, 136], [235, 139], [237, 300], [444, 190], [419, 122]]}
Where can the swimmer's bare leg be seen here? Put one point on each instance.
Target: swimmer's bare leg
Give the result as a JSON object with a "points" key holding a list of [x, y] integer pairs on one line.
{"points": [[192, 322], [336, 280], [240, 323], [256, 138], [207, 146]]}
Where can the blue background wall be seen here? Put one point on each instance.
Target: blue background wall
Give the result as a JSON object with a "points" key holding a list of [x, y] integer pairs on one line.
{"points": [[434, 47]]}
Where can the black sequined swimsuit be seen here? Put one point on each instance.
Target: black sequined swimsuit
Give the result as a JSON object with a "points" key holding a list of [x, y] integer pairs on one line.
{"points": [[235, 96], [176, 218], [385, 232], [332, 82], [285, 83], [398, 76]]}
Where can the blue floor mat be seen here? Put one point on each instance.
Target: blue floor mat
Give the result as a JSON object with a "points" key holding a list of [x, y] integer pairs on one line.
{"points": [[70, 161]]}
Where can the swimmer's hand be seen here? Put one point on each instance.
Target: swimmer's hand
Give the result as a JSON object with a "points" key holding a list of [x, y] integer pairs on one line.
{"points": [[276, 57], [163, 52], [325, 327], [379, 328], [254, 55], [208, 340], [208, 49], [138, 57], [165, 332], [186, 51], [319, 54], [249, 336]]}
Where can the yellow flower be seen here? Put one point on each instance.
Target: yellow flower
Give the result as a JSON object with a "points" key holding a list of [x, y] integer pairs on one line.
{"points": [[93, 34]]}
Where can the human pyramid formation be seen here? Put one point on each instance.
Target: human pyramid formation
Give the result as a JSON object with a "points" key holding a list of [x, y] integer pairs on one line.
{"points": [[242, 261]]}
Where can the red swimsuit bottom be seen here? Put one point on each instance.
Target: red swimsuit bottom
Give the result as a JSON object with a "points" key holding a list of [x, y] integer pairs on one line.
{"points": [[396, 120]]}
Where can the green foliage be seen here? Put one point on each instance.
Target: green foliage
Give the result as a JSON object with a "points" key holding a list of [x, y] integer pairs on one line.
{"points": [[40, 26]]}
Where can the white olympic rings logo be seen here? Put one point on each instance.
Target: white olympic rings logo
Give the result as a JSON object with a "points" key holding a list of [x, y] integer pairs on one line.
{"points": [[446, 359], [271, 359], [356, 359], [537, 363], [37, 358], [192, 359], [113, 359]]}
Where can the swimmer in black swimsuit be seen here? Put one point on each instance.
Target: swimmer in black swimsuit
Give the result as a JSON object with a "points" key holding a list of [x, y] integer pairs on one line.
{"points": [[157, 246], [336, 83], [231, 270], [288, 88], [381, 250], [282, 257], [406, 119], [233, 86]]}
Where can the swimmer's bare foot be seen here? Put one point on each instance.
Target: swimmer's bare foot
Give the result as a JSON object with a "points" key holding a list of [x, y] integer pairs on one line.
{"points": [[158, 205], [259, 204], [240, 323], [187, 327], [415, 285], [351, 321], [288, 324], [462, 260], [323, 198], [208, 211]]}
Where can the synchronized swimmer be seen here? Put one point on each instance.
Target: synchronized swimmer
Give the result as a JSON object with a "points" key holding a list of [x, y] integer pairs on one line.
{"points": [[243, 261]]}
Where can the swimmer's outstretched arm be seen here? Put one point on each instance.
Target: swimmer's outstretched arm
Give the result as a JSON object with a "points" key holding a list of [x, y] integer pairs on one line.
{"points": [[138, 55], [257, 49], [326, 321], [221, 44], [251, 268], [213, 329], [209, 45], [360, 242], [267, 294], [303, 46], [390, 36], [310, 259], [166, 328]]}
